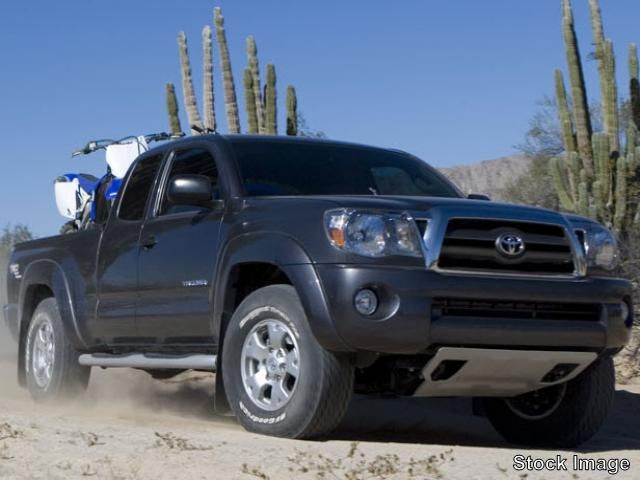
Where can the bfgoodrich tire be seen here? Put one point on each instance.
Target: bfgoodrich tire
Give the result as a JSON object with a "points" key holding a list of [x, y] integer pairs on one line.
{"points": [[51, 362], [562, 416], [278, 379]]}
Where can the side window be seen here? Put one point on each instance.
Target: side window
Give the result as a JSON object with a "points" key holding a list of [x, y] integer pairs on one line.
{"points": [[190, 162], [136, 192]]}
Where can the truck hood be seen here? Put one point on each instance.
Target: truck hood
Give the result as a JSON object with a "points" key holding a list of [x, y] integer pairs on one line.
{"points": [[421, 206]]}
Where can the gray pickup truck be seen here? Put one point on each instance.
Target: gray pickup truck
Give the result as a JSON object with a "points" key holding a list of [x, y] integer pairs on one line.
{"points": [[304, 271]]}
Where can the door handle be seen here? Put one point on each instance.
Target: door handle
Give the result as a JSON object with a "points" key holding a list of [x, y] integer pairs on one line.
{"points": [[149, 242]]}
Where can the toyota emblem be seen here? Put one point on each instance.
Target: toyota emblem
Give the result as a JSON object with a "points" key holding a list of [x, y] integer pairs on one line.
{"points": [[510, 245]]}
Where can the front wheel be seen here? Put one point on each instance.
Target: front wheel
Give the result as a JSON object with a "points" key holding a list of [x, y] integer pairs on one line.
{"points": [[51, 362], [561, 416], [278, 379]]}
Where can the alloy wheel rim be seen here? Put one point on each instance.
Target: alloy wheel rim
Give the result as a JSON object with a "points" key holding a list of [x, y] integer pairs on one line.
{"points": [[539, 404], [43, 354], [270, 364]]}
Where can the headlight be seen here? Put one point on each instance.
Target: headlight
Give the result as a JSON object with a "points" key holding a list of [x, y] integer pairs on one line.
{"points": [[373, 234], [601, 247]]}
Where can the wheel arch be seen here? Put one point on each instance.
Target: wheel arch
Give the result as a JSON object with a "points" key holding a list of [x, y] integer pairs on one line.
{"points": [[253, 261], [43, 279]]}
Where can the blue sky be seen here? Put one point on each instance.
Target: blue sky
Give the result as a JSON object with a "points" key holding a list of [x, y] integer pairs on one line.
{"points": [[451, 81]]}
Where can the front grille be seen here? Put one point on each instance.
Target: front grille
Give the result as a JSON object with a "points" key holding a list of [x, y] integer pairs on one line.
{"points": [[470, 245], [451, 307]]}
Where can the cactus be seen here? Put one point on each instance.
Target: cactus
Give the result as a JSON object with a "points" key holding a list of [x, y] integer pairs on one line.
{"points": [[270, 102], [608, 88], [582, 120], [188, 92], [172, 109], [610, 101], [230, 101], [252, 56], [208, 95], [566, 125], [597, 181], [634, 100], [292, 111], [250, 101]]}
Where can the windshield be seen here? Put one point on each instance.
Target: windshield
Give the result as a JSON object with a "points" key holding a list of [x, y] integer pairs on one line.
{"points": [[282, 168]]}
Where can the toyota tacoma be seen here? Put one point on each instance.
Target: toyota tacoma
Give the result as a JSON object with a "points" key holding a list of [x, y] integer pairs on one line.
{"points": [[303, 271]]}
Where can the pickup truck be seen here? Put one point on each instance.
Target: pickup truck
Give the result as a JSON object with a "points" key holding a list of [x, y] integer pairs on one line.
{"points": [[303, 271]]}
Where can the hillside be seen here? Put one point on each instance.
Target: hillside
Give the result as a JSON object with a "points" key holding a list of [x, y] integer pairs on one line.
{"points": [[488, 177]]}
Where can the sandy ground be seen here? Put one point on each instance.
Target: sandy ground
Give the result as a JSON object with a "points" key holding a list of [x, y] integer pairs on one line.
{"points": [[129, 426]]}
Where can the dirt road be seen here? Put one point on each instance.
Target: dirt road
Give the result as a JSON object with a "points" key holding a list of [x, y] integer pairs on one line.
{"points": [[129, 426]]}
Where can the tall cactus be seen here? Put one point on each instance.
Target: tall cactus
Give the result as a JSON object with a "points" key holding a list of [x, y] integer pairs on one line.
{"points": [[270, 101], [252, 57], [566, 124], [172, 109], [250, 101], [606, 71], [603, 183], [207, 84], [582, 120], [230, 101], [634, 100], [292, 111], [188, 92]]}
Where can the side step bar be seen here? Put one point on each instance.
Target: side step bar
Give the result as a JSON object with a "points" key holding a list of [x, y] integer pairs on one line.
{"points": [[150, 361]]}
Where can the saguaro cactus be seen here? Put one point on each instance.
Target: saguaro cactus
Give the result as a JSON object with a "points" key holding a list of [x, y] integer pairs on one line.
{"points": [[292, 111], [606, 71], [207, 84], [270, 101], [634, 100], [188, 92], [250, 101], [603, 183], [230, 101], [582, 120], [252, 56], [172, 109]]}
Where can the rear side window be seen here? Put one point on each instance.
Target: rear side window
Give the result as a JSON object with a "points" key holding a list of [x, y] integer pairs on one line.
{"points": [[190, 162], [136, 193]]}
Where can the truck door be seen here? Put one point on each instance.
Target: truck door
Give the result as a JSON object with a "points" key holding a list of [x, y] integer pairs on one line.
{"points": [[178, 250], [117, 262]]}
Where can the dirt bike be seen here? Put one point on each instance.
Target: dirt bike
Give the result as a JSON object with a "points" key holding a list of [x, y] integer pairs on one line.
{"points": [[86, 199]]}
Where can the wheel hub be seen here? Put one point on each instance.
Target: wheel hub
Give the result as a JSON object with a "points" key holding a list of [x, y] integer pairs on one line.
{"points": [[43, 354], [270, 364], [538, 404]]}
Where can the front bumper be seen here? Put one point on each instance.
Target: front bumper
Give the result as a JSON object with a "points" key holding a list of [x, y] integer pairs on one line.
{"points": [[10, 314], [405, 323]]}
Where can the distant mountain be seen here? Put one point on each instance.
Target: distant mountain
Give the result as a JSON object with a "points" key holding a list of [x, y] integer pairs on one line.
{"points": [[489, 177]]}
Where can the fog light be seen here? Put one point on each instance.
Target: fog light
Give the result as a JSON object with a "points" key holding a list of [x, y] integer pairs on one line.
{"points": [[366, 302]]}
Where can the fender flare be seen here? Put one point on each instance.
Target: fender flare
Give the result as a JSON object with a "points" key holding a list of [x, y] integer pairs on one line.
{"points": [[286, 253], [50, 274]]}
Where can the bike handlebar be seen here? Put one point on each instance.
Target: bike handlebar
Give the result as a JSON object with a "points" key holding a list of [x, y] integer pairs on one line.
{"points": [[95, 145]]}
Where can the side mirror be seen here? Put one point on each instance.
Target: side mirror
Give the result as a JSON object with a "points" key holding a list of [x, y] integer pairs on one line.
{"points": [[478, 196], [190, 190]]}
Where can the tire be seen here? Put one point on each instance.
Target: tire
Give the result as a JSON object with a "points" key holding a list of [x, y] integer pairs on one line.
{"points": [[574, 411], [312, 387], [47, 344], [69, 227]]}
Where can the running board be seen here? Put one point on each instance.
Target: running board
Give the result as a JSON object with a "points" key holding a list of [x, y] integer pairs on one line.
{"points": [[150, 361]]}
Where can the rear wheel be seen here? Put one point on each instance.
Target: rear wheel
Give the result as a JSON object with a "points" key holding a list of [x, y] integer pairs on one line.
{"points": [[51, 362], [561, 416], [279, 380]]}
